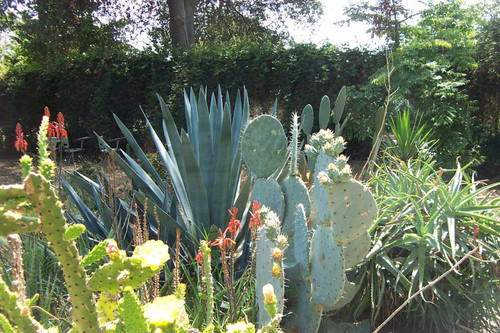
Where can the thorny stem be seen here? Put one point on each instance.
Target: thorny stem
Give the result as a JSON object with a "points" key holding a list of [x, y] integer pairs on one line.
{"points": [[250, 271], [228, 282], [177, 259], [18, 284]]}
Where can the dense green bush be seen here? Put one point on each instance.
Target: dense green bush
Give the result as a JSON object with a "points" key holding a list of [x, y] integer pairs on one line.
{"points": [[90, 89]]}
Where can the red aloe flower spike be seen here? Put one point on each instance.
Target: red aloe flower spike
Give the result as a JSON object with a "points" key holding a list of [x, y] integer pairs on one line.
{"points": [[52, 130], [60, 126], [234, 224], [20, 144], [255, 220], [46, 112], [199, 257], [222, 241]]}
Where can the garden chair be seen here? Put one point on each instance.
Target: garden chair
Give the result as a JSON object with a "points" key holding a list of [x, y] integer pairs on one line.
{"points": [[67, 149], [111, 142]]}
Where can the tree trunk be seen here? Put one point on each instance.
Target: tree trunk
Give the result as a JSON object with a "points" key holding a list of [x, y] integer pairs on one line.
{"points": [[181, 23]]}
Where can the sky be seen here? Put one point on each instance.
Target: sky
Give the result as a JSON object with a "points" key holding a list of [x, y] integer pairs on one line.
{"points": [[325, 30]]}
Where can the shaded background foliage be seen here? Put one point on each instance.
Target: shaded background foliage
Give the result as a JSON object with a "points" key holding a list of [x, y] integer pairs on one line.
{"points": [[88, 90], [446, 64]]}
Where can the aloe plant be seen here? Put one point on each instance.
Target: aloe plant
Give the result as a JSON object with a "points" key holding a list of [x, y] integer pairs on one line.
{"points": [[409, 139], [203, 166]]}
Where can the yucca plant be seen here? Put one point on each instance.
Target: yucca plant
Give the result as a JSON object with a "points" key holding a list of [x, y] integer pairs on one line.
{"points": [[409, 139], [203, 166], [425, 225]]}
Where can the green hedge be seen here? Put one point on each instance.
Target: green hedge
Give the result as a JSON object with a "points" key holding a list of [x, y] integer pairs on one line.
{"points": [[90, 89]]}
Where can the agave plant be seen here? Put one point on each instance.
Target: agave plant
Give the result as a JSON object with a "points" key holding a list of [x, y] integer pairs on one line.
{"points": [[203, 165]]}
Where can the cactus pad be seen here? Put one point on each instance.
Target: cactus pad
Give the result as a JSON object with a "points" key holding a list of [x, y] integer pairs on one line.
{"points": [[356, 250], [327, 267], [269, 269], [295, 193], [307, 119], [350, 290], [268, 193], [324, 112], [352, 208], [263, 145]]}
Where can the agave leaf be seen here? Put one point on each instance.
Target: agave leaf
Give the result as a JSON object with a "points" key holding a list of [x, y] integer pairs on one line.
{"points": [[175, 176], [206, 155], [137, 179], [150, 186], [91, 221], [215, 124], [195, 139], [139, 153], [236, 123], [83, 181], [172, 139], [220, 201], [195, 188], [246, 110], [104, 211]]}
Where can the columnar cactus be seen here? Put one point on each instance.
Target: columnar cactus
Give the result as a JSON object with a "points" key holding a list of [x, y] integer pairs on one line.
{"points": [[53, 225]]}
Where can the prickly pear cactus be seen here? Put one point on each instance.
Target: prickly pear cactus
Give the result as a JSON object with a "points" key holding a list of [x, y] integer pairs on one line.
{"points": [[122, 271], [268, 192], [16, 215]]}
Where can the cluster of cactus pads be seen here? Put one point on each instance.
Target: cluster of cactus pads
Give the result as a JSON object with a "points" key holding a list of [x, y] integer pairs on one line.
{"points": [[325, 222]]}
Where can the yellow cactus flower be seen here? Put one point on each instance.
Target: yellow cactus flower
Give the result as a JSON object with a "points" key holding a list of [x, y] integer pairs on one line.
{"points": [[153, 253], [240, 327], [164, 311]]}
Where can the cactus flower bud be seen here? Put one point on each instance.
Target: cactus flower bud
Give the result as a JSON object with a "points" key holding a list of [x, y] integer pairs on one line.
{"points": [[112, 249], [270, 300], [269, 296], [277, 254], [276, 270], [282, 242]]}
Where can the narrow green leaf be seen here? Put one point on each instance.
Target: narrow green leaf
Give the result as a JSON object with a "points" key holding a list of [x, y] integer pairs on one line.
{"points": [[220, 201], [206, 156], [175, 176], [91, 221], [139, 153]]}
